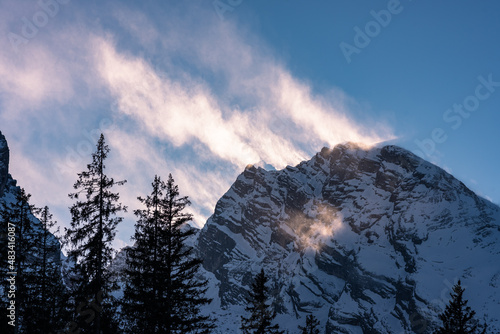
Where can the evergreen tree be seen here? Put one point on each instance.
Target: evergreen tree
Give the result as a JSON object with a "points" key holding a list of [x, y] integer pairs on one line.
{"points": [[458, 318], [162, 293], [16, 217], [261, 314], [49, 311], [312, 325], [93, 228]]}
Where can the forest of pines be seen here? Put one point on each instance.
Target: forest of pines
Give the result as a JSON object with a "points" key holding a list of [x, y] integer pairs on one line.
{"points": [[162, 289]]}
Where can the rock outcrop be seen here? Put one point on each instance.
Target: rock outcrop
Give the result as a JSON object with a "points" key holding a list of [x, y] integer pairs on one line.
{"points": [[4, 163]]}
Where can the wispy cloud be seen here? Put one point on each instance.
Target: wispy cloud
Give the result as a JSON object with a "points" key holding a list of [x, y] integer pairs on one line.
{"points": [[187, 94]]}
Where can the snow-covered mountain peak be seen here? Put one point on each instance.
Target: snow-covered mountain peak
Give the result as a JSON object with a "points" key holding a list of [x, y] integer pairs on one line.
{"points": [[363, 238]]}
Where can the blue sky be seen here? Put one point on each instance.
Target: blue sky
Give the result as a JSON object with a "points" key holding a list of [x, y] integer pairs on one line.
{"points": [[200, 89]]}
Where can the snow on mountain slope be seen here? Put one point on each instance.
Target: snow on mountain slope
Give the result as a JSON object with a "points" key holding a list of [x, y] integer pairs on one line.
{"points": [[369, 241]]}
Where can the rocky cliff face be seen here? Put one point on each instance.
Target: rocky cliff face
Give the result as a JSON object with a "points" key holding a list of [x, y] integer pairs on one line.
{"points": [[370, 241], [9, 189], [4, 163]]}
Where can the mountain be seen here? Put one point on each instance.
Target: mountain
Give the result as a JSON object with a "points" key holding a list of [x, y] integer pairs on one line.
{"points": [[4, 164], [367, 240], [9, 189]]}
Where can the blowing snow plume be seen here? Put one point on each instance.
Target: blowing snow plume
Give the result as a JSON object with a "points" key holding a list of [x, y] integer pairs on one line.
{"points": [[193, 95]]}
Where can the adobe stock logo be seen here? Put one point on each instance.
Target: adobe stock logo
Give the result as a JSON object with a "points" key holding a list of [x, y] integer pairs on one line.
{"points": [[30, 27], [372, 29], [222, 7], [456, 114]]}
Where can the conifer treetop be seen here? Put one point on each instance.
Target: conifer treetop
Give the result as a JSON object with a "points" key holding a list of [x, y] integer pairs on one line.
{"points": [[458, 317]]}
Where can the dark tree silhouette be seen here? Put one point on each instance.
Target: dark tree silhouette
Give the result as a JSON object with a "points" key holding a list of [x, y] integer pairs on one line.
{"points": [[17, 221], [93, 228], [458, 318], [162, 293], [312, 325], [261, 314], [48, 312]]}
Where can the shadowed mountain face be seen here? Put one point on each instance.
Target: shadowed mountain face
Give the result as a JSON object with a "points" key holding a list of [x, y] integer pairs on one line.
{"points": [[9, 189], [369, 241], [4, 163]]}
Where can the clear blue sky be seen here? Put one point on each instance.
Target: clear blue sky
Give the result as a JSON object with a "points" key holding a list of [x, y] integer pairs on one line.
{"points": [[423, 62], [202, 88]]}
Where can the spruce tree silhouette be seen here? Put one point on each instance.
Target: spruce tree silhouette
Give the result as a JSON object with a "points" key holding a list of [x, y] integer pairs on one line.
{"points": [[312, 325], [93, 228], [458, 318], [261, 314], [163, 293]]}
